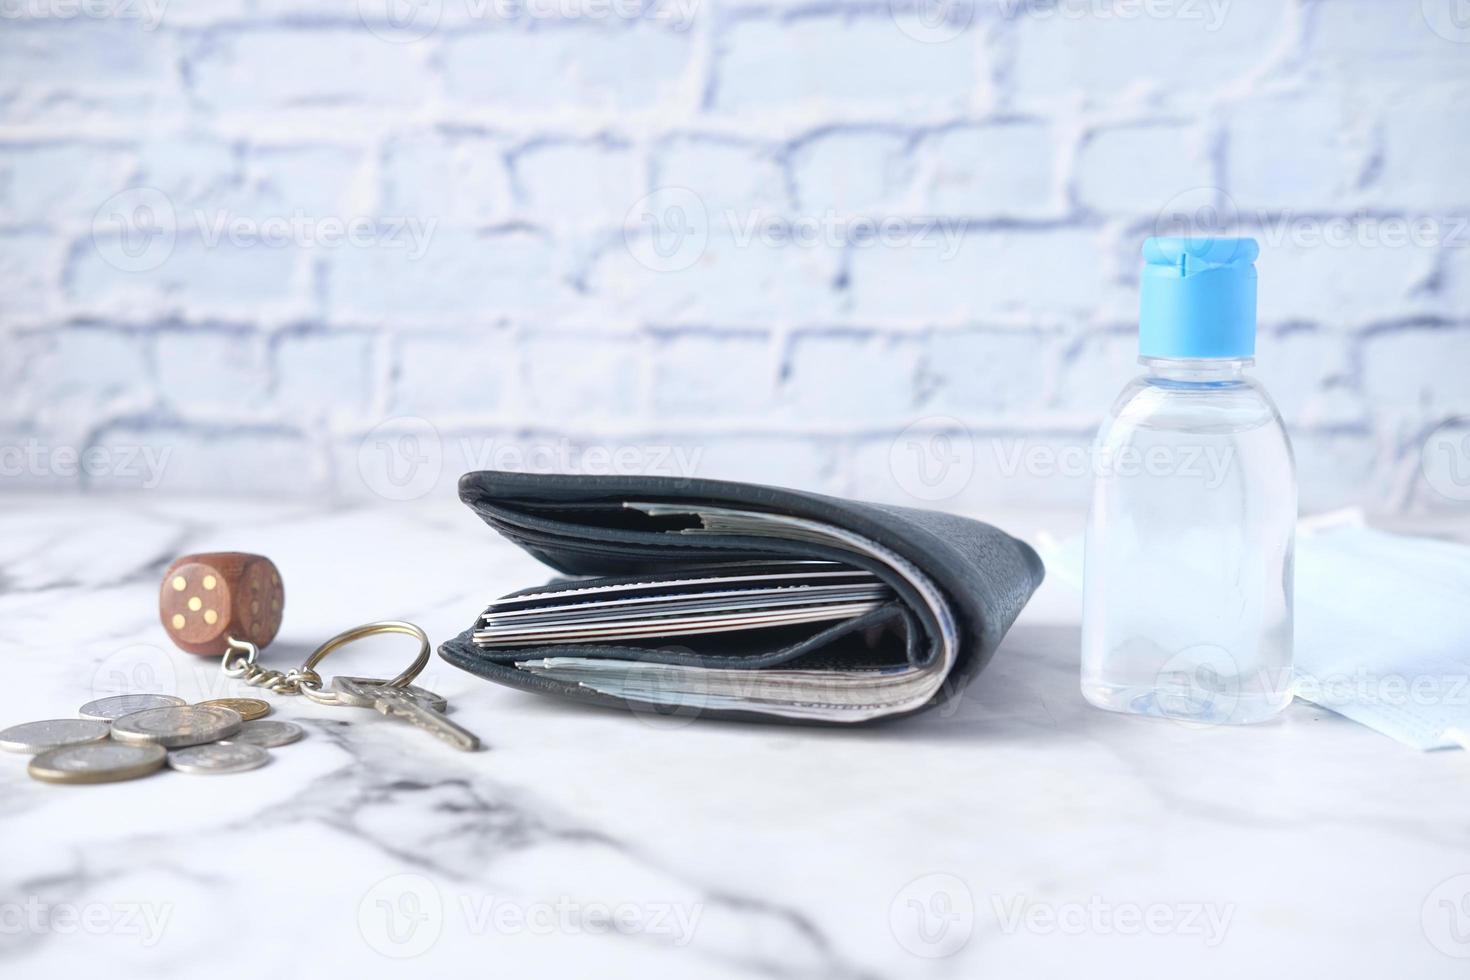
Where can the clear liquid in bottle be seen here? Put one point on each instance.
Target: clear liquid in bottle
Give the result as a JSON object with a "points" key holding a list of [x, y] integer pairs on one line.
{"points": [[1187, 604]]}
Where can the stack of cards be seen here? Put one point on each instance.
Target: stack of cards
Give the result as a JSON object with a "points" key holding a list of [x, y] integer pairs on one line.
{"points": [[697, 600]]}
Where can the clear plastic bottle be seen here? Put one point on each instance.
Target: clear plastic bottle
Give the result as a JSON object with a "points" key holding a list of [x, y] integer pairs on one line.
{"points": [[1187, 607]]}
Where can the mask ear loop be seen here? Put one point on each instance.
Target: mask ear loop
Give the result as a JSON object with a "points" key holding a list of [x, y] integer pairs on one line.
{"points": [[310, 682]]}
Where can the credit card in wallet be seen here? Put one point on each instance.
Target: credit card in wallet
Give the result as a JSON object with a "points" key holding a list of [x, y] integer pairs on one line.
{"points": [[694, 579], [710, 599]]}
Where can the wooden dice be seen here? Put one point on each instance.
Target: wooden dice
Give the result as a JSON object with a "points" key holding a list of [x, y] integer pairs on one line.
{"points": [[206, 599]]}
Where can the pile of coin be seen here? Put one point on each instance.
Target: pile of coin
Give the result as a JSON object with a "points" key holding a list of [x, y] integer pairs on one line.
{"points": [[132, 735]]}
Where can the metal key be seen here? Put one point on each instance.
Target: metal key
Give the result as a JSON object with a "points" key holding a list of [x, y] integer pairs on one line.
{"points": [[411, 704], [360, 699]]}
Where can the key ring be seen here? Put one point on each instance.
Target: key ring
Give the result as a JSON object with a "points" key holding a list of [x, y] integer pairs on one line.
{"points": [[228, 604], [310, 682], [304, 679]]}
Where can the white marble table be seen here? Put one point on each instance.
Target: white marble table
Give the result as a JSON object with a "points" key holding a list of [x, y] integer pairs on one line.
{"points": [[1022, 834]]}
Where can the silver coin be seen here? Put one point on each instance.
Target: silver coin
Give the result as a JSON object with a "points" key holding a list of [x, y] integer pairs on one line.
{"points": [[108, 709], [178, 726], [267, 733], [97, 762], [38, 736], [221, 757]]}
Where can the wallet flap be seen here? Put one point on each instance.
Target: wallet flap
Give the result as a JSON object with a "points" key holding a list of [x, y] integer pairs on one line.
{"points": [[580, 525]]}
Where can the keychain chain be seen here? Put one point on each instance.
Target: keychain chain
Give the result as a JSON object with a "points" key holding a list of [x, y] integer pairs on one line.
{"points": [[228, 604], [240, 662]]}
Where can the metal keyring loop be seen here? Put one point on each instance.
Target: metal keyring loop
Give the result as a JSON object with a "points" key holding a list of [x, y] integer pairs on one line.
{"points": [[308, 668]]}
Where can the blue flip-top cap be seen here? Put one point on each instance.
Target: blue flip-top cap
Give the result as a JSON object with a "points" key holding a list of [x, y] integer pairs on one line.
{"points": [[1198, 297]]}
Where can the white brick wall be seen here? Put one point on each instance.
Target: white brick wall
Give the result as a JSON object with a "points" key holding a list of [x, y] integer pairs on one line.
{"points": [[301, 247]]}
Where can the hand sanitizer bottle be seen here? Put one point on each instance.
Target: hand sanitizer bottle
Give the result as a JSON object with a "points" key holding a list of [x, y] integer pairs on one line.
{"points": [[1188, 568]]}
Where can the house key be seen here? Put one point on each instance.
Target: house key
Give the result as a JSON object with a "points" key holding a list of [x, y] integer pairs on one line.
{"points": [[229, 604], [413, 704]]}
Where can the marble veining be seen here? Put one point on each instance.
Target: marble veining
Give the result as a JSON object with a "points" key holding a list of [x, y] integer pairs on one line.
{"points": [[1016, 832]]}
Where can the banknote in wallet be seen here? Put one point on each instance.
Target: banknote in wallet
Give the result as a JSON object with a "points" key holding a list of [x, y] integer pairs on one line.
{"points": [[739, 600]]}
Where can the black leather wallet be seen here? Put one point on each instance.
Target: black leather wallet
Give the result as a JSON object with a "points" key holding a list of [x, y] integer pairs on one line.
{"points": [[953, 588]]}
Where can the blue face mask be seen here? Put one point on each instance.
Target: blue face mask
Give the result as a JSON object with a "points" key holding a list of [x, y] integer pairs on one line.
{"points": [[1382, 631]]}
